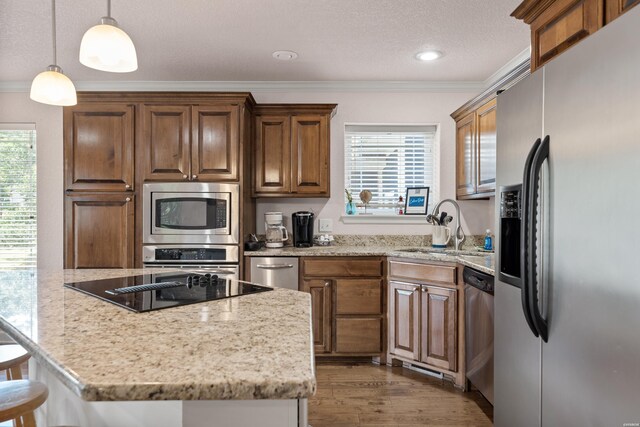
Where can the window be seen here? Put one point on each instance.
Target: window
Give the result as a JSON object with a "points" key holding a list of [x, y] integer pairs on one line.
{"points": [[386, 160], [17, 196]]}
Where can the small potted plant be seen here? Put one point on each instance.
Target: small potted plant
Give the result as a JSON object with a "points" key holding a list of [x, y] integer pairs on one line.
{"points": [[351, 207]]}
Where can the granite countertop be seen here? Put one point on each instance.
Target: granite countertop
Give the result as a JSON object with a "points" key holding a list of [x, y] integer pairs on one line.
{"points": [[482, 261], [251, 347]]}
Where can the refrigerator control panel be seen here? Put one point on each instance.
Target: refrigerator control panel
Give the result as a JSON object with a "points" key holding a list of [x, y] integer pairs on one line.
{"points": [[510, 201]]}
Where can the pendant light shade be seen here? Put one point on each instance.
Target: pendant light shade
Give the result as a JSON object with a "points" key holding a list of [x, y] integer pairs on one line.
{"points": [[52, 86], [106, 47]]}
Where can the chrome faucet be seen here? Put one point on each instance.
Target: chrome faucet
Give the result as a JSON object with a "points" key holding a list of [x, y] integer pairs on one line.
{"points": [[459, 233]]}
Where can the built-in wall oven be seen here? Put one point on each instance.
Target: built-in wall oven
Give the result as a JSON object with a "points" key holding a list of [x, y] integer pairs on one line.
{"points": [[191, 213], [219, 260]]}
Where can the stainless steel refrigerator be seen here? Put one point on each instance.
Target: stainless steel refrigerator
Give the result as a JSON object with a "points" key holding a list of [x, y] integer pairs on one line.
{"points": [[567, 293]]}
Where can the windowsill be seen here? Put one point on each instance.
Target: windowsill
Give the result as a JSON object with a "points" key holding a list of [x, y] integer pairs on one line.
{"points": [[384, 219]]}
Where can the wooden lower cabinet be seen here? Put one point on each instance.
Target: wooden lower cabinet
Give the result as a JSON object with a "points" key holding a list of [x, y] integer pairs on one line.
{"points": [[438, 327], [426, 309], [99, 230], [320, 291], [404, 303], [348, 304]]}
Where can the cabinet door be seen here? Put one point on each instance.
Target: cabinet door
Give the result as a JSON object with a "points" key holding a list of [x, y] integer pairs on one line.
{"points": [[272, 156], [166, 133], [404, 303], [310, 155], [215, 143], [486, 148], [99, 143], [320, 291], [465, 156], [562, 25], [99, 230], [438, 327], [615, 8], [359, 296], [362, 335]]}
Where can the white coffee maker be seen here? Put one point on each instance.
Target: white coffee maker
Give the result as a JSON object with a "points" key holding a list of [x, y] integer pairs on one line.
{"points": [[276, 233]]}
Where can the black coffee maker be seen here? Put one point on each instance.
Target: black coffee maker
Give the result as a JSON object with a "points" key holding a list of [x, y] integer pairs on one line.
{"points": [[302, 229]]}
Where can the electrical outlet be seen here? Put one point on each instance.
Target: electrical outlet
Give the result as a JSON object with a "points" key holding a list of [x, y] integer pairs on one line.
{"points": [[325, 225]]}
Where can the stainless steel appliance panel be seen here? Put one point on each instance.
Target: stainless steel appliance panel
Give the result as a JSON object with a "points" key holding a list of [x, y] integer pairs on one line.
{"points": [[279, 272], [590, 364], [227, 254], [478, 295], [151, 192], [517, 375]]}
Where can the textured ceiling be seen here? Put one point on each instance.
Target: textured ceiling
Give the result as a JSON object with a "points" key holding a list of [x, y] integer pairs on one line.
{"points": [[232, 40]]}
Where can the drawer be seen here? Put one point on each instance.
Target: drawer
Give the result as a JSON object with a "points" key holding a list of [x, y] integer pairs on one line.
{"points": [[423, 273], [341, 267], [355, 335], [358, 296]]}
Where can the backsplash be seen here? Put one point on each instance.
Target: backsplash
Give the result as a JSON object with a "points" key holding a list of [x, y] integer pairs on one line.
{"points": [[471, 242]]}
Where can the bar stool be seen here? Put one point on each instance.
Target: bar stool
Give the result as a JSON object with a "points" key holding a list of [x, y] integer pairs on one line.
{"points": [[11, 357], [18, 400]]}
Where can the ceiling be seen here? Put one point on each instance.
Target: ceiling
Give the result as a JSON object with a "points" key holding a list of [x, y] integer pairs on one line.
{"points": [[232, 40]]}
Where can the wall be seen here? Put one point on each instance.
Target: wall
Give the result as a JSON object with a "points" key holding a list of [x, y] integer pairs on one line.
{"points": [[387, 108], [18, 108], [353, 107]]}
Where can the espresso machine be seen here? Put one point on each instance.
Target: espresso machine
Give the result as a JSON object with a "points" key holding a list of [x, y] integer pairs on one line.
{"points": [[276, 233], [302, 223]]}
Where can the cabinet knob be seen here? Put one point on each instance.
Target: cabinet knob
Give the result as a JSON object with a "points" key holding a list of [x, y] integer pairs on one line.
{"points": [[194, 176], [327, 283], [185, 176], [127, 186], [128, 199]]}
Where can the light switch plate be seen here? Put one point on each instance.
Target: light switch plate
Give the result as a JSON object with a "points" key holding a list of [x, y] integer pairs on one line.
{"points": [[325, 225]]}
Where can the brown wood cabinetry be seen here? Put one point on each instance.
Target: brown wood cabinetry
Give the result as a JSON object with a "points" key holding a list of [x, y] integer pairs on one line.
{"points": [[476, 152], [556, 25], [426, 313], [195, 143], [320, 291], [350, 319], [99, 230], [98, 147], [291, 155]]}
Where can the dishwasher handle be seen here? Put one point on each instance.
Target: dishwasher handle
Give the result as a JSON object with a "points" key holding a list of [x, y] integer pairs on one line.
{"points": [[478, 279], [274, 266]]}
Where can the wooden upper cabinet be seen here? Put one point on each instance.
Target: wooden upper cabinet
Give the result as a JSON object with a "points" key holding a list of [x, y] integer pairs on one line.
{"points": [[273, 154], [556, 25], [166, 140], [438, 327], [310, 154], [291, 151], [486, 148], [615, 8], [321, 323], [404, 314], [215, 145], [99, 144], [99, 230], [466, 155]]}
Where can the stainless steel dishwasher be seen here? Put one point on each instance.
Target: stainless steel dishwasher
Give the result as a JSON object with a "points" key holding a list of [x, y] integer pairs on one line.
{"points": [[478, 291], [279, 272]]}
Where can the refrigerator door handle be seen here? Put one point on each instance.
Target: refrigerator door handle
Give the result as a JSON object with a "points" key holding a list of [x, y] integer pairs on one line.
{"points": [[542, 153], [525, 237]]}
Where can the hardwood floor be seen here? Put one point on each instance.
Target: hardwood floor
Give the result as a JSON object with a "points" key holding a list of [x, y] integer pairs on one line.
{"points": [[365, 394]]}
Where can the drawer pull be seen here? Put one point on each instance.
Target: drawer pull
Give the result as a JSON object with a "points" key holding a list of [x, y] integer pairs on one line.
{"points": [[274, 266]]}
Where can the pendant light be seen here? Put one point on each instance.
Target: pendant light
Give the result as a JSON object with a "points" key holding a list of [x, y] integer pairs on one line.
{"points": [[106, 47], [52, 86]]}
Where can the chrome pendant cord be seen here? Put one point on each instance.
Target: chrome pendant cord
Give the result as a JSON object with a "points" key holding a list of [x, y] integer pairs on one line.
{"points": [[53, 30]]}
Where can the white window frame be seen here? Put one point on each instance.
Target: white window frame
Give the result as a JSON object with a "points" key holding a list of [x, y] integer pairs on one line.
{"points": [[434, 191]]}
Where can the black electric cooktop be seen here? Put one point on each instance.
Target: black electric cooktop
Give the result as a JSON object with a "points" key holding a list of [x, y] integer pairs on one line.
{"points": [[149, 292]]}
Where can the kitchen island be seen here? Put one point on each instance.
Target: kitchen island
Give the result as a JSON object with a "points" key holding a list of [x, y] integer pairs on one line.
{"points": [[237, 361]]}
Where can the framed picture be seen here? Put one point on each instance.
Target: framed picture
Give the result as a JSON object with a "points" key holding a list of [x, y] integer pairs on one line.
{"points": [[416, 201]]}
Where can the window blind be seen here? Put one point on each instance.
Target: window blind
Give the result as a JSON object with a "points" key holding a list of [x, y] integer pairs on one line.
{"points": [[387, 159], [17, 196]]}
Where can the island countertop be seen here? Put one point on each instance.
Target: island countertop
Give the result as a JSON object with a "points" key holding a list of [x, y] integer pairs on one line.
{"points": [[255, 346]]}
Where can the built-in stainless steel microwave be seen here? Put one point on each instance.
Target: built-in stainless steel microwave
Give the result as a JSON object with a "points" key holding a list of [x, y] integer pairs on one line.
{"points": [[190, 212]]}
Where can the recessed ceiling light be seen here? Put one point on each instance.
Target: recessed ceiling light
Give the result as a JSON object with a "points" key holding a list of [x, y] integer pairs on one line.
{"points": [[429, 55], [285, 55]]}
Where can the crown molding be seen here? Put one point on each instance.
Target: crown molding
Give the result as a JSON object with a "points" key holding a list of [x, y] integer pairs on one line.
{"points": [[263, 86], [514, 63]]}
